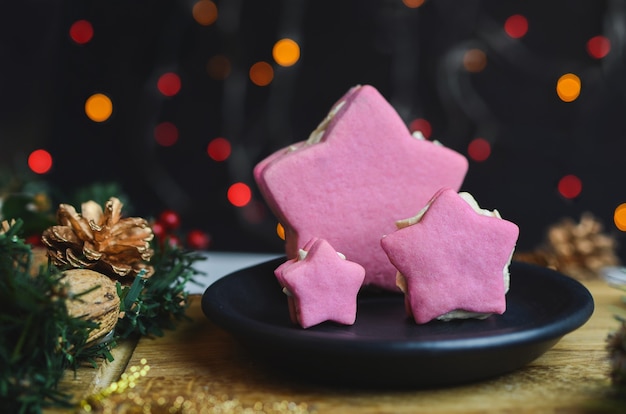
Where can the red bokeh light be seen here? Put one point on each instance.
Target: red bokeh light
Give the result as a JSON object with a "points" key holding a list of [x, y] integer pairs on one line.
{"points": [[169, 219], [516, 26], [598, 47], [198, 240], [81, 31], [479, 149], [166, 134], [40, 161], [239, 194], [169, 84], [570, 186], [219, 149], [421, 125]]}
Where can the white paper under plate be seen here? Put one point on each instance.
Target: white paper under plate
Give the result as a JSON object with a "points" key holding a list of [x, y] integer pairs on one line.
{"points": [[219, 264], [615, 276]]}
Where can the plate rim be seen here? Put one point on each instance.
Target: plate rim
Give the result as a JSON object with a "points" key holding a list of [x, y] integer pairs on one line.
{"points": [[575, 320], [268, 342]]}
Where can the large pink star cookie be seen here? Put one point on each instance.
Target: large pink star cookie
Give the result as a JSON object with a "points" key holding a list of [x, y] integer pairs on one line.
{"points": [[321, 285], [452, 259], [357, 173]]}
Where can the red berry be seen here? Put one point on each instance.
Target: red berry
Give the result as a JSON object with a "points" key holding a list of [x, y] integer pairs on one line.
{"points": [[169, 219], [158, 230], [173, 240], [198, 240], [34, 240]]}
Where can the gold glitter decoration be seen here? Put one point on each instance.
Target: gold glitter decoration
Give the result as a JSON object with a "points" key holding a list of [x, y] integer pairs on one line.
{"points": [[123, 397]]}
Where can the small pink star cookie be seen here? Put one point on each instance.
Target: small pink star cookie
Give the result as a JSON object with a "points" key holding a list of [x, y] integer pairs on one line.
{"points": [[358, 172], [321, 285], [452, 259]]}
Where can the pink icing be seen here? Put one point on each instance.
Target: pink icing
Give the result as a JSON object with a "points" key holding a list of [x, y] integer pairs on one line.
{"points": [[453, 258], [366, 172], [321, 287]]}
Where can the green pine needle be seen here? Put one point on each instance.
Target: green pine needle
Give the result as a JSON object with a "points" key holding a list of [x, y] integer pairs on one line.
{"points": [[39, 341], [157, 303]]}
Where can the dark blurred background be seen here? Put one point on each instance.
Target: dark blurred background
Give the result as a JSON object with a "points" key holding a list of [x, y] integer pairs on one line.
{"points": [[457, 70]]}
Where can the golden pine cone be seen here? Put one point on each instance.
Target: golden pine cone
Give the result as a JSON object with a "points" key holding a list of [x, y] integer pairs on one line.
{"points": [[100, 240]]}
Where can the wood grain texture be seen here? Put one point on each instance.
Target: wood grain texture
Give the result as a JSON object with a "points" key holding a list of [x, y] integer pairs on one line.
{"points": [[200, 358]]}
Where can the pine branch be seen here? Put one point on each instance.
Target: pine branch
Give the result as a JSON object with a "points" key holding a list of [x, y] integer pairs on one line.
{"points": [[157, 303], [38, 339]]}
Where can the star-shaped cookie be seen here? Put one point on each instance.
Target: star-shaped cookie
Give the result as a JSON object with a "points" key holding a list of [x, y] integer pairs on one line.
{"points": [[358, 173], [452, 257], [321, 285]]}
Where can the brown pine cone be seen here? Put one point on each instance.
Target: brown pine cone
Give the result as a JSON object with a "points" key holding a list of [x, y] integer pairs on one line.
{"points": [[579, 250], [100, 240]]}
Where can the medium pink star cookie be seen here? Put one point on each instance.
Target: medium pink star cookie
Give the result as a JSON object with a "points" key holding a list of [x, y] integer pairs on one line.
{"points": [[321, 285], [357, 173], [452, 259]]}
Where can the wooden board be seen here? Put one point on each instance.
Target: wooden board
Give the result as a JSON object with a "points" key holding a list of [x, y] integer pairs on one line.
{"points": [[203, 366]]}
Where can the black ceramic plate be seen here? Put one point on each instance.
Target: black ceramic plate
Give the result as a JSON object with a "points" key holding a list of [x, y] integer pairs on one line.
{"points": [[384, 348]]}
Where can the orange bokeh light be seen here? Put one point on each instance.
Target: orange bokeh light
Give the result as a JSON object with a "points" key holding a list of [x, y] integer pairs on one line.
{"points": [[619, 217], [98, 107], [568, 87], [413, 4], [280, 231], [474, 60], [286, 52], [261, 73], [204, 12], [218, 67]]}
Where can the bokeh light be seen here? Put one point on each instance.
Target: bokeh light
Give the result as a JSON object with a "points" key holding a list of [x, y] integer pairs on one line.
{"points": [[219, 149], [568, 87], [169, 84], [619, 217], [286, 52], [218, 67], [479, 149], [254, 212], [516, 26], [598, 47], [280, 231], [98, 107], [422, 125], [261, 73], [413, 4], [239, 194], [474, 60], [204, 12], [81, 31], [570, 186], [40, 161], [166, 134]]}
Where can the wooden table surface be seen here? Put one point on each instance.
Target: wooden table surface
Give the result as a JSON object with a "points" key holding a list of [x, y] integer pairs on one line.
{"points": [[203, 366]]}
